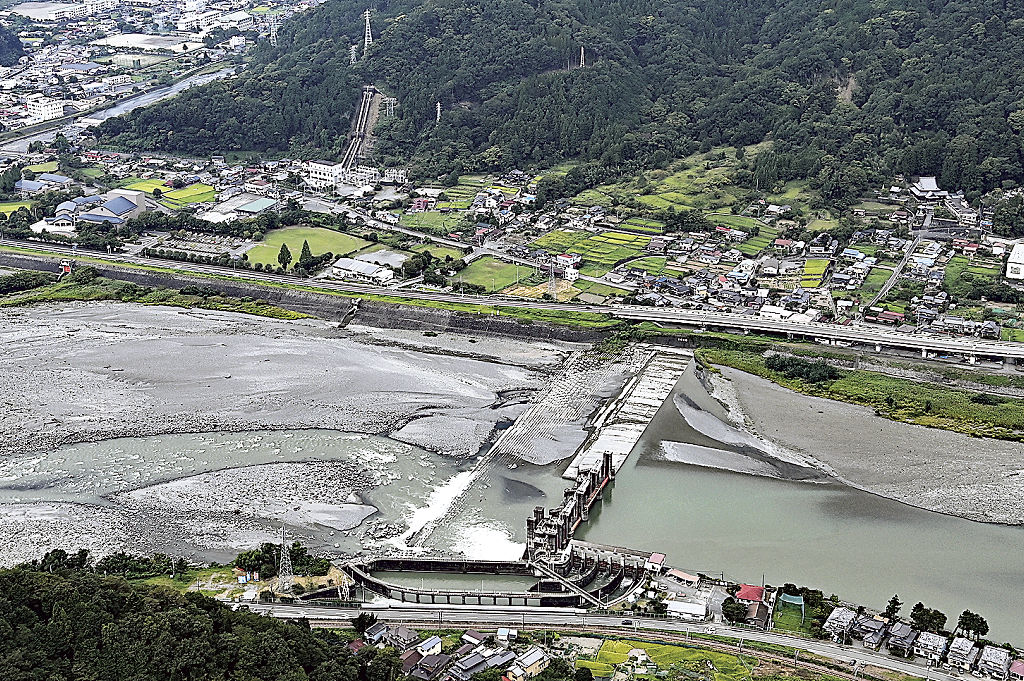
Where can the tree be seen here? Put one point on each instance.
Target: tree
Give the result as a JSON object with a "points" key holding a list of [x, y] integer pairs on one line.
{"points": [[363, 621], [972, 623], [284, 256], [157, 192], [733, 610], [306, 254], [583, 674], [893, 608]]}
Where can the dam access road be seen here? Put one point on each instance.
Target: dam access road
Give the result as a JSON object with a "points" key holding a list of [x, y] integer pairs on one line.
{"points": [[879, 338], [577, 621]]}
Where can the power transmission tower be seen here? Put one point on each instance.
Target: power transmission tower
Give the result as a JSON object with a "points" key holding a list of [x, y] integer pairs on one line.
{"points": [[389, 106], [552, 284], [274, 23], [353, 53], [583, 58], [439, 112], [285, 576], [367, 34]]}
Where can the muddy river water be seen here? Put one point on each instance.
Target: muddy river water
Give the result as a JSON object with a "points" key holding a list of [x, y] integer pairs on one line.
{"points": [[715, 498]]}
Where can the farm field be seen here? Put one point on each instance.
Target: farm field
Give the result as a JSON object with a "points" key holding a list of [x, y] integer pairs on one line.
{"points": [[1016, 335], [320, 241], [147, 186], [682, 659], [438, 251], [431, 222], [11, 206], [765, 237], [600, 252], [492, 274], [822, 224], [643, 225], [598, 289], [796, 193], [743, 222], [813, 273], [195, 193], [962, 275]]}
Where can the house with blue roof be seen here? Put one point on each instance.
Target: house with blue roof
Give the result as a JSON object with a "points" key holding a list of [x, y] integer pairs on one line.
{"points": [[29, 186], [53, 179]]}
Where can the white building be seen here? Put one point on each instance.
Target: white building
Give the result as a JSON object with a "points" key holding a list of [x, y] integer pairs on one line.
{"points": [[1015, 265], [692, 610], [43, 108], [321, 174], [347, 268]]}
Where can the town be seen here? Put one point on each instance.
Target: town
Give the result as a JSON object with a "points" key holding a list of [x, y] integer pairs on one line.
{"points": [[911, 257]]}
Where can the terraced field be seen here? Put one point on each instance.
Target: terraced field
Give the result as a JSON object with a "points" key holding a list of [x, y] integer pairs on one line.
{"points": [[813, 273], [766, 236], [600, 252]]}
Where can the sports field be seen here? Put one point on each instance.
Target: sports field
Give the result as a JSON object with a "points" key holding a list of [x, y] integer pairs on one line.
{"points": [[320, 241]]}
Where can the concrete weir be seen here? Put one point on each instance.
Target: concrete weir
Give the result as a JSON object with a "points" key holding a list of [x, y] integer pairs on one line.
{"points": [[624, 420]]}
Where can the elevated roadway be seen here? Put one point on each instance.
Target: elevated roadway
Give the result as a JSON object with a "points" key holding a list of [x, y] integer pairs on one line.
{"points": [[871, 336]]}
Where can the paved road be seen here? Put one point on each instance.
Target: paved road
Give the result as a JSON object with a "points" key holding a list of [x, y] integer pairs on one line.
{"points": [[891, 281], [565, 617], [868, 335]]}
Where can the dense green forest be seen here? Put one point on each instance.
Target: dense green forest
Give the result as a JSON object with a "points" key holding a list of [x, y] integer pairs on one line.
{"points": [[849, 91], [11, 49], [77, 625]]}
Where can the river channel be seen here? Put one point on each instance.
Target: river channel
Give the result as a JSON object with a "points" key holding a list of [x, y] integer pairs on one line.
{"points": [[209, 495]]}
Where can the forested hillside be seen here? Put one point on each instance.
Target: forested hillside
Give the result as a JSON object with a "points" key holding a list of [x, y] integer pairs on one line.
{"points": [[62, 627], [11, 49], [850, 91]]}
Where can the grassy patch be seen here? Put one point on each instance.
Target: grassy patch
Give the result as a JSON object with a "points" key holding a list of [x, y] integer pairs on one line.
{"points": [[689, 662], [766, 236], [743, 222], [962, 275], [898, 399], [491, 273], [146, 185], [439, 251], [431, 222], [813, 273], [108, 289], [1016, 335], [320, 241], [787, 617], [48, 167], [11, 206]]}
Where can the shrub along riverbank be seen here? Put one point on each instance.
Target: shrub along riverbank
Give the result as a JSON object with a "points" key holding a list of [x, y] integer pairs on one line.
{"points": [[961, 411], [85, 285]]}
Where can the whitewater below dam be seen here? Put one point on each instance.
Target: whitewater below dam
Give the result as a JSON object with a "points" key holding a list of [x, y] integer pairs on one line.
{"points": [[201, 434]]}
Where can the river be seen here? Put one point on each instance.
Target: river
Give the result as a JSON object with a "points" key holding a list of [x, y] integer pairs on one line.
{"points": [[121, 107], [213, 494]]}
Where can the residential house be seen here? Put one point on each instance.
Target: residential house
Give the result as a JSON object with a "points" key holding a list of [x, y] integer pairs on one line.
{"points": [[482, 660], [431, 646], [655, 562], [355, 646], [431, 667], [749, 594], [506, 636], [528, 665], [375, 633], [410, 659], [1017, 670], [870, 630], [839, 624], [473, 637], [962, 654], [401, 637], [930, 646], [901, 638], [994, 662], [757, 615]]}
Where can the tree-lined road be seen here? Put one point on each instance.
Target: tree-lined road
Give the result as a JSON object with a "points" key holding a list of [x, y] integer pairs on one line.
{"points": [[703, 319]]}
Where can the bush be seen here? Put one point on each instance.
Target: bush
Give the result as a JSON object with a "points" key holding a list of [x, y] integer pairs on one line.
{"points": [[807, 370]]}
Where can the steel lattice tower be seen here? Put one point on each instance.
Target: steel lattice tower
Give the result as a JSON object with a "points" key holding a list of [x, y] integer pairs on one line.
{"points": [[285, 576], [367, 34]]}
